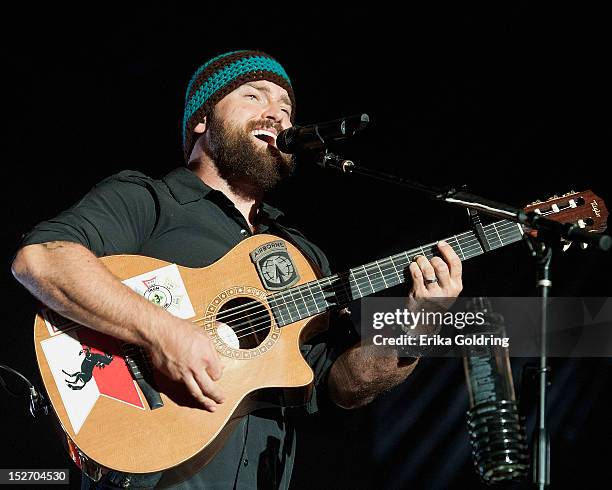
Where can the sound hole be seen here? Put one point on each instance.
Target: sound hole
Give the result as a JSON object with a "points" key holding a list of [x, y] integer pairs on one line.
{"points": [[243, 323]]}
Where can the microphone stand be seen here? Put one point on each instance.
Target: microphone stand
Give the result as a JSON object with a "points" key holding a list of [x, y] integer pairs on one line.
{"points": [[541, 250], [534, 221]]}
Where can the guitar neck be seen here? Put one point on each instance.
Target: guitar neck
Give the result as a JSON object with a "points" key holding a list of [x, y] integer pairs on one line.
{"points": [[340, 289]]}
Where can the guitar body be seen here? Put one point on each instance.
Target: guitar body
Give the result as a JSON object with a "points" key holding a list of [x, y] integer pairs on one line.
{"points": [[242, 301], [113, 427]]}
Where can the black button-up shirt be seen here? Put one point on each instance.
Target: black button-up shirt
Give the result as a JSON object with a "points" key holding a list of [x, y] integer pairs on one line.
{"points": [[181, 220]]}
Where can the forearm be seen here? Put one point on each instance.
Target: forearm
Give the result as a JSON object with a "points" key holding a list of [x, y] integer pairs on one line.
{"points": [[363, 372], [72, 281]]}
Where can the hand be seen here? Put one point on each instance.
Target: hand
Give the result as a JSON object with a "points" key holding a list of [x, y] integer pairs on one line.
{"points": [[439, 277], [185, 354]]}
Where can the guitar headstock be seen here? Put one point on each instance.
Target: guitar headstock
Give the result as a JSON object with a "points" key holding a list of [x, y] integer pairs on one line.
{"points": [[584, 209]]}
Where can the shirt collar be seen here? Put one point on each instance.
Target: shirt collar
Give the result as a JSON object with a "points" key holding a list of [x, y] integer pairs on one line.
{"points": [[186, 187]]}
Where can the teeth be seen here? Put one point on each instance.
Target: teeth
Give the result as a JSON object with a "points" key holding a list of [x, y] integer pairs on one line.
{"points": [[263, 132]]}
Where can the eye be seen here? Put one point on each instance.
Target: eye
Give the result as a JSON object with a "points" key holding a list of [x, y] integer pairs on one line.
{"points": [[287, 111], [252, 96]]}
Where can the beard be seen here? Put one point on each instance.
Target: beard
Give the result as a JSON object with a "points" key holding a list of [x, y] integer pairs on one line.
{"points": [[247, 167]]}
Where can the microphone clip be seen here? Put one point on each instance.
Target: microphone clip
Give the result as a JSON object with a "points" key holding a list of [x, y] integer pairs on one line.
{"points": [[332, 160]]}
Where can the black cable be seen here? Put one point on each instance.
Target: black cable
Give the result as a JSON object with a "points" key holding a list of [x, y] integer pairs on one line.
{"points": [[38, 403], [11, 392], [8, 390]]}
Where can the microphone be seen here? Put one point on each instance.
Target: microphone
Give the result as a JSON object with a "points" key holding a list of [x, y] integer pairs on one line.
{"points": [[497, 432], [317, 136]]}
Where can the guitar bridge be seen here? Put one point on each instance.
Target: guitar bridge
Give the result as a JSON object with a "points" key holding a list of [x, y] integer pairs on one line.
{"points": [[141, 371]]}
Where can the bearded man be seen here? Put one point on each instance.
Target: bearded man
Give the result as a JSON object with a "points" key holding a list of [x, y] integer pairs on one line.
{"points": [[236, 105]]}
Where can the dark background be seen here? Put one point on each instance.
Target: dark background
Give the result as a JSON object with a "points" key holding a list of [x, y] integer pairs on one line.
{"points": [[512, 101]]}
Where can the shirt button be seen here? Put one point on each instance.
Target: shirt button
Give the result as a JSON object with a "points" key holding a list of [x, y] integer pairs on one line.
{"points": [[243, 232], [245, 462]]}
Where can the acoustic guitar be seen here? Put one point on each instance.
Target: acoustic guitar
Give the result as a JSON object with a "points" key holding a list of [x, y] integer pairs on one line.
{"points": [[258, 304]]}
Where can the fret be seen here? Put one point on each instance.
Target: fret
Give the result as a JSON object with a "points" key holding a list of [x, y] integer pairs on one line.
{"points": [[381, 274], [277, 309], [309, 299], [396, 269], [493, 237], [371, 274], [475, 250], [373, 289], [461, 253], [498, 235], [408, 259], [322, 295], [471, 247], [376, 276], [291, 309], [474, 253], [332, 289], [347, 293], [359, 293], [316, 304], [298, 301], [513, 231], [390, 272], [302, 304], [423, 252]]}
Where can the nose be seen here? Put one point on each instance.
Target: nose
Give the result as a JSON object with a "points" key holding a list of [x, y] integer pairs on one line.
{"points": [[274, 112]]}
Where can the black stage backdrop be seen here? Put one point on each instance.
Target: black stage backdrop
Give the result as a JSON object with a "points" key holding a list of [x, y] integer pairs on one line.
{"points": [[512, 101]]}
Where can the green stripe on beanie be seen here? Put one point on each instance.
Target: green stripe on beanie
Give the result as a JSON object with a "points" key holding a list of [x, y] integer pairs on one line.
{"points": [[221, 75]]}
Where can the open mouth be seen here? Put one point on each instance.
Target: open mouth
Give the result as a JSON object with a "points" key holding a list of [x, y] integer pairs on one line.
{"points": [[266, 136]]}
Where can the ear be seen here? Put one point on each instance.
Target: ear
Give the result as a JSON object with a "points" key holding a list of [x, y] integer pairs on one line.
{"points": [[200, 127]]}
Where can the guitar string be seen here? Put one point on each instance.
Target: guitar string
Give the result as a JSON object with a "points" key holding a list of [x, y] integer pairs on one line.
{"points": [[266, 317], [308, 286], [255, 331], [468, 239], [504, 230], [227, 314], [502, 227], [465, 246], [241, 308], [360, 283]]}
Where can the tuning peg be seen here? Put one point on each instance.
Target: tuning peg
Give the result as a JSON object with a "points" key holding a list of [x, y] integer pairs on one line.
{"points": [[583, 245], [534, 203], [566, 245]]}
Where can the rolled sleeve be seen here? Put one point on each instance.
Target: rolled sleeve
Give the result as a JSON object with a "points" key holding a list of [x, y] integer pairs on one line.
{"points": [[116, 216]]}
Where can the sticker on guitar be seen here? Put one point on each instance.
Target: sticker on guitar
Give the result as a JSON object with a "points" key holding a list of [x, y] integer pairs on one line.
{"points": [[86, 365], [275, 266], [164, 287]]}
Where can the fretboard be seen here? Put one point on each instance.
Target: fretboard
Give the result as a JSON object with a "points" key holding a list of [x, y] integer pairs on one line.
{"points": [[340, 289]]}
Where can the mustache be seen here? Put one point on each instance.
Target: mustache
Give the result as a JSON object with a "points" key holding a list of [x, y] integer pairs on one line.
{"points": [[264, 124]]}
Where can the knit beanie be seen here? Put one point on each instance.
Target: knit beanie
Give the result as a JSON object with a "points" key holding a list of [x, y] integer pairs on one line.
{"points": [[221, 75]]}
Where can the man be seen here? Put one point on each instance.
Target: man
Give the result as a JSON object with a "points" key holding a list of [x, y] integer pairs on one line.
{"points": [[236, 104]]}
